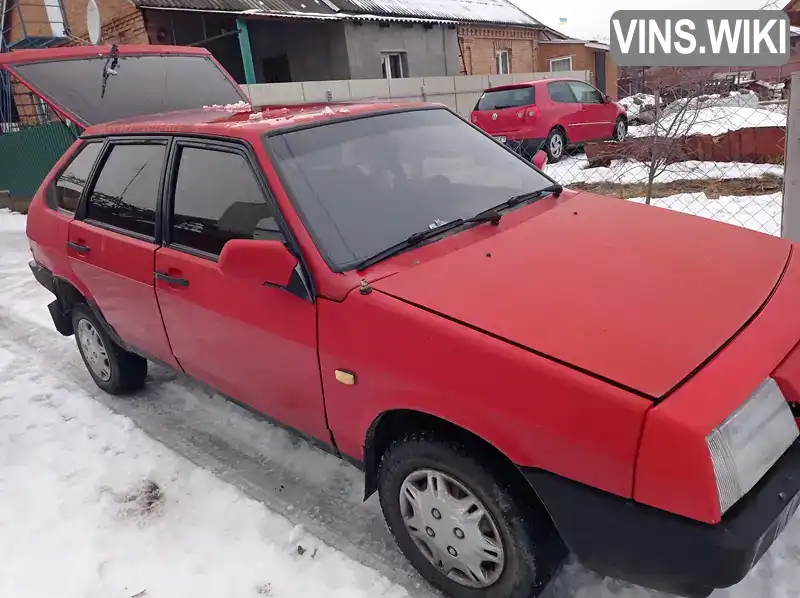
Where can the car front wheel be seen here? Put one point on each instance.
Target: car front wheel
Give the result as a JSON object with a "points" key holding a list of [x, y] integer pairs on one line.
{"points": [[113, 369], [467, 532]]}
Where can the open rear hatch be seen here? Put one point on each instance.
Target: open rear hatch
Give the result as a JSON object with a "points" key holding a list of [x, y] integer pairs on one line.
{"points": [[95, 84]]}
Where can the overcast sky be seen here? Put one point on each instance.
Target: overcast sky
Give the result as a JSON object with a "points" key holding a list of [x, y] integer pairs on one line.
{"points": [[590, 18]]}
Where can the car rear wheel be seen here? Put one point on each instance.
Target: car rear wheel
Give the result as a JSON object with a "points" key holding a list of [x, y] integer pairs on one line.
{"points": [[468, 532], [555, 145], [620, 129], [113, 369]]}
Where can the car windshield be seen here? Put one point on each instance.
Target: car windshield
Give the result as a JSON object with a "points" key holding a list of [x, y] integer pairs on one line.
{"points": [[506, 98], [365, 184]]}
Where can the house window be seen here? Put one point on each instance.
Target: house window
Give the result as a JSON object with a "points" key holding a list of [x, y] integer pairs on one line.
{"points": [[561, 64], [394, 65], [503, 64]]}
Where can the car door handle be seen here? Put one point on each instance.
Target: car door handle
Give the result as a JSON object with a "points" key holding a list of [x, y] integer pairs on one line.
{"points": [[78, 247], [181, 282]]}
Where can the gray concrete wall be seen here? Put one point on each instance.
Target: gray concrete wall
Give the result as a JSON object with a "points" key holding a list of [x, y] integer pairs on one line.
{"points": [[459, 93], [430, 52], [317, 50]]}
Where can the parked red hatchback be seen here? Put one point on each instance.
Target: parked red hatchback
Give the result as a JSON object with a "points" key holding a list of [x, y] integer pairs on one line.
{"points": [[518, 369], [551, 114]]}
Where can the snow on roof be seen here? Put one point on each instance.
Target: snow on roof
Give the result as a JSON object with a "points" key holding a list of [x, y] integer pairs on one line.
{"points": [[471, 11], [794, 30], [478, 11]]}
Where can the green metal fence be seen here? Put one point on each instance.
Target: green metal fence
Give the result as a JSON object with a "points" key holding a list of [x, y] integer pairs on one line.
{"points": [[27, 155]]}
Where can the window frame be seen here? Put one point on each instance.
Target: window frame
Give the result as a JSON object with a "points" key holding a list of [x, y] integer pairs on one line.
{"points": [[386, 63], [556, 59], [227, 146], [498, 61], [51, 201], [105, 152]]}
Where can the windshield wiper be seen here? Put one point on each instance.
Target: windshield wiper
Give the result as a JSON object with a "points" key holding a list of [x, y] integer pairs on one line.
{"points": [[109, 68], [490, 215], [555, 189]]}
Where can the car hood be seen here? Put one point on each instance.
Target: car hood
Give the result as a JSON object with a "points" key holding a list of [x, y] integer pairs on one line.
{"points": [[636, 295]]}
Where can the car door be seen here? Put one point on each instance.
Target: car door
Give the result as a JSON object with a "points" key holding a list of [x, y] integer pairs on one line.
{"points": [[112, 243], [49, 234], [566, 111], [597, 114], [254, 342]]}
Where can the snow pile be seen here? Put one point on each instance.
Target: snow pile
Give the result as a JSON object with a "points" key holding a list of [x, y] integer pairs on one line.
{"points": [[241, 106], [711, 115], [575, 169], [713, 120], [637, 103]]}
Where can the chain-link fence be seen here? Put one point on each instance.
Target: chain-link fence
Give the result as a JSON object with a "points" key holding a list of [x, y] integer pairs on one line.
{"points": [[707, 145]]}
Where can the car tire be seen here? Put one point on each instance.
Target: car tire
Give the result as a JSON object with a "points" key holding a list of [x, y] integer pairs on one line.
{"points": [[113, 369], [620, 130], [531, 550], [555, 145]]}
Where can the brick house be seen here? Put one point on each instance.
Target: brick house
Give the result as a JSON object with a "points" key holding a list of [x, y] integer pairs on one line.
{"points": [[490, 50]]}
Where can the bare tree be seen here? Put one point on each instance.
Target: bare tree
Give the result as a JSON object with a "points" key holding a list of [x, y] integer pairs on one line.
{"points": [[697, 105]]}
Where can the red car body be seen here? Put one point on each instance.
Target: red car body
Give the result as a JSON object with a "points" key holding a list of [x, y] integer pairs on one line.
{"points": [[593, 344], [526, 115]]}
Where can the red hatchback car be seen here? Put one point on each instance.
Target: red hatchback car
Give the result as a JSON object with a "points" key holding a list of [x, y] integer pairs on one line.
{"points": [[551, 114], [518, 369]]}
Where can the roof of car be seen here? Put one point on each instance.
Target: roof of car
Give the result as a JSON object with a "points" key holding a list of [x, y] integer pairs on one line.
{"points": [[532, 83], [243, 120]]}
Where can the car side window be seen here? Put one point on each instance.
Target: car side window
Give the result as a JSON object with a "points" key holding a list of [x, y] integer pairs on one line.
{"points": [[218, 198], [585, 93], [125, 194], [69, 186], [560, 92]]}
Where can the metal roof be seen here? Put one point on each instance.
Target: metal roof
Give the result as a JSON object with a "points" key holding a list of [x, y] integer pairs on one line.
{"points": [[254, 7], [466, 11], [473, 11]]}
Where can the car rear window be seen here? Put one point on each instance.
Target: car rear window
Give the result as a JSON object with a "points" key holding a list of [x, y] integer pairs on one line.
{"points": [[506, 98], [143, 85]]}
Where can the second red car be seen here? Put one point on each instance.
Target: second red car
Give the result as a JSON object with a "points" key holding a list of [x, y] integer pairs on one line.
{"points": [[551, 114]]}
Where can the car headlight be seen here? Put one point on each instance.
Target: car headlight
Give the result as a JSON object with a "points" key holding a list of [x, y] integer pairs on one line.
{"points": [[750, 441]]}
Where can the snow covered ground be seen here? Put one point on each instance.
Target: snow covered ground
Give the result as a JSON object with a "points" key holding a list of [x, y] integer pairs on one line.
{"points": [[574, 169], [91, 506], [80, 518], [756, 212]]}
